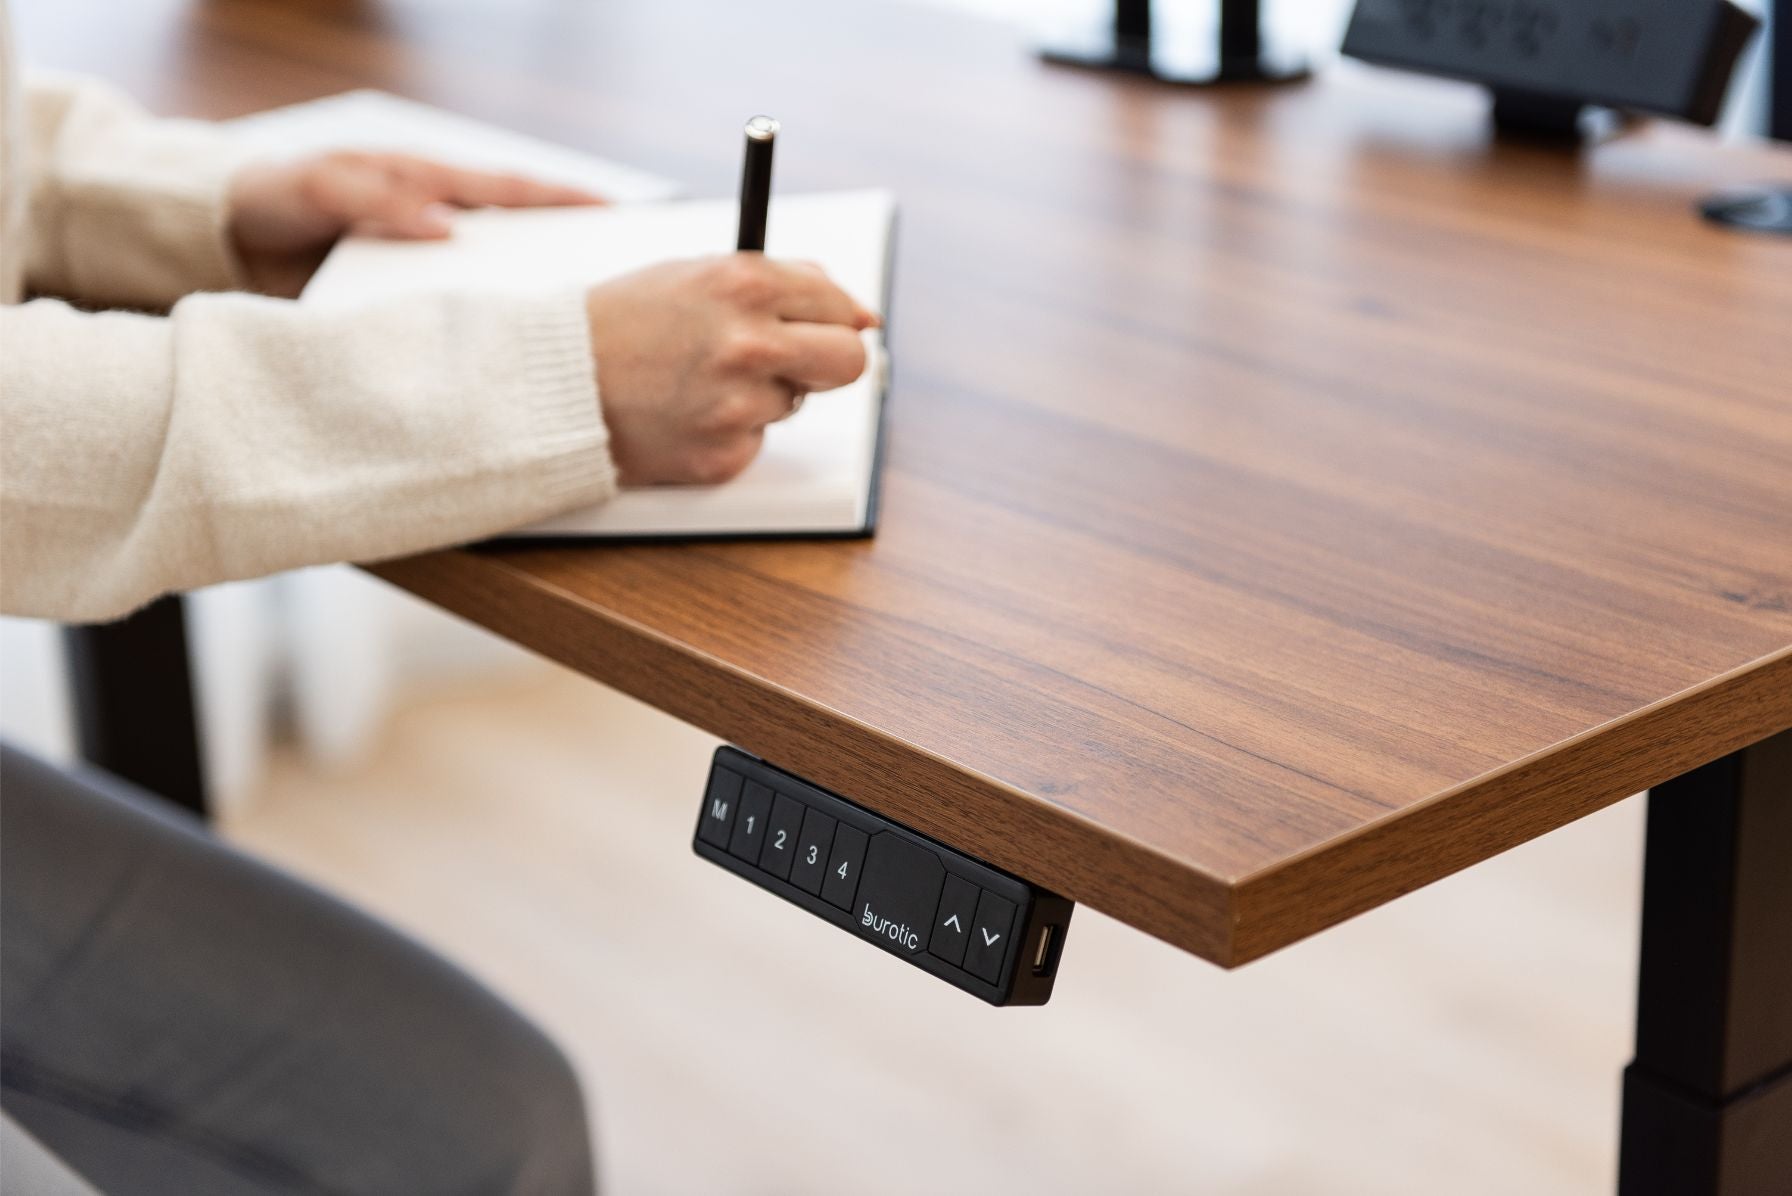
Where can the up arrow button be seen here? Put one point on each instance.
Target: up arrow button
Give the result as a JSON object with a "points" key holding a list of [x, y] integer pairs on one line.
{"points": [[952, 927]]}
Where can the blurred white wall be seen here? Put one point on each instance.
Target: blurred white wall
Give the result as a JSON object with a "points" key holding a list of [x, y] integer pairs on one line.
{"points": [[34, 710]]}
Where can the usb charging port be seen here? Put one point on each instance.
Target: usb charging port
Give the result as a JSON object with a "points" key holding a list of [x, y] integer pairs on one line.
{"points": [[1042, 957]]}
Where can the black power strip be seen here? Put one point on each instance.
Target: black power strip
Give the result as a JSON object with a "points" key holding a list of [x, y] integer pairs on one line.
{"points": [[989, 933], [1670, 57]]}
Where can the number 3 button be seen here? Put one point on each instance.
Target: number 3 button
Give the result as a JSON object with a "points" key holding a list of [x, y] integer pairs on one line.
{"points": [[811, 865]]}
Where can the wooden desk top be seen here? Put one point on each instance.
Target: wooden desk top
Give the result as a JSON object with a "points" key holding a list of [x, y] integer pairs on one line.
{"points": [[1292, 497]]}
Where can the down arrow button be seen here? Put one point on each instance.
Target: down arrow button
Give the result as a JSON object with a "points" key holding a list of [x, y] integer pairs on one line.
{"points": [[990, 935], [898, 893]]}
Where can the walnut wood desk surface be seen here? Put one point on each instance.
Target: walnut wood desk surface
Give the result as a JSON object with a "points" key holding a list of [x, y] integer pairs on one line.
{"points": [[1291, 497]]}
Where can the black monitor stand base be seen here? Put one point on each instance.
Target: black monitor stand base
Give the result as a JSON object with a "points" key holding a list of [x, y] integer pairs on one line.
{"points": [[1530, 116], [1236, 52], [1756, 208]]}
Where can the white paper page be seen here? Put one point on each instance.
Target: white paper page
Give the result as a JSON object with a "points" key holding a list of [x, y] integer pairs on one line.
{"points": [[376, 120], [815, 471]]}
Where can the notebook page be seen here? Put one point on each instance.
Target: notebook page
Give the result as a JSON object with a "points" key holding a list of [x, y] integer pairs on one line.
{"points": [[815, 471]]}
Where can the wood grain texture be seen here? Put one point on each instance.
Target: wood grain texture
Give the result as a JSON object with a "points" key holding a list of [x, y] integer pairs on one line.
{"points": [[1292, 497]]}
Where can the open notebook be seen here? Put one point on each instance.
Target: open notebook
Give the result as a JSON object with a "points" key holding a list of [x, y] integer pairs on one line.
{"points": [[817, 474], [378, 120]]}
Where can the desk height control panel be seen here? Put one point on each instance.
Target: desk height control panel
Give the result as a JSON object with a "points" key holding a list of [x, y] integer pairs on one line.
{"points": [[990, 934]]}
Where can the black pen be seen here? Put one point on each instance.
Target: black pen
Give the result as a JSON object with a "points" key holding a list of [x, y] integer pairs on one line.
{"points": [[756, 183]]}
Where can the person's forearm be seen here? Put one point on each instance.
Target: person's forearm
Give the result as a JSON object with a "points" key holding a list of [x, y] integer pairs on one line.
{"points": [[125, 209], [241, 436]]}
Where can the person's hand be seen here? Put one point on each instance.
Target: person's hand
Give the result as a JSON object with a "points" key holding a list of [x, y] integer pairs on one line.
{"points": [[283, 217], [695, 358]]}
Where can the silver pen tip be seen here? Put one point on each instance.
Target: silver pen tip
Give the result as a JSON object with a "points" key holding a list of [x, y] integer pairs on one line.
{"points": [[762, 128]]}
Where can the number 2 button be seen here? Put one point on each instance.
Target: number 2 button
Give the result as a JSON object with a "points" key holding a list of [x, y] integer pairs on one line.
{"points": [[781, 837]]}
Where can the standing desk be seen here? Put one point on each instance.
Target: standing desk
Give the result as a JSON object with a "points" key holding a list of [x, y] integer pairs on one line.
{"points": [[1292, 496]]}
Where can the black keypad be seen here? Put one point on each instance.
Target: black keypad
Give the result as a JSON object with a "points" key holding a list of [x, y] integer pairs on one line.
{"points": [[781, 835], [811, 866], [992, 935], [844, 862], [912, 897], [952, 924], [749, 823]]}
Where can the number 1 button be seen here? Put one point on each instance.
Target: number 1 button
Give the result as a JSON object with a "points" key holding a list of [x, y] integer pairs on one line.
{"points": [[749, 824], [843, 866]]}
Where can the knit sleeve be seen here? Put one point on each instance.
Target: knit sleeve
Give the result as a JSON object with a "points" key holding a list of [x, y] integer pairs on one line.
{"points": [[239, 436], [124, 209]]}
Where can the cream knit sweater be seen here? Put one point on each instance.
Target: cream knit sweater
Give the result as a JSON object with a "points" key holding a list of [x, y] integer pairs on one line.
{"points": [[236, 435]]}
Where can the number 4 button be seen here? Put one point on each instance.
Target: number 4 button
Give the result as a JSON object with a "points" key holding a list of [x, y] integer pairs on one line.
{"points": [[843, 866]]}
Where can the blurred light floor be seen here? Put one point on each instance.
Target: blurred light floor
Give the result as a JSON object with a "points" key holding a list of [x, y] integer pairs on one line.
{"points": [[1466, 1039]]}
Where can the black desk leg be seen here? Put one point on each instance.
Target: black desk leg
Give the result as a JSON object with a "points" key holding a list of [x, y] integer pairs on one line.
{"points": [[1779, 66], [135, 717], [1708, 1099]]}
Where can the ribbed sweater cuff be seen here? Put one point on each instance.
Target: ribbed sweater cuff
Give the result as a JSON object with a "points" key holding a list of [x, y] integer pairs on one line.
{"points": [[557, 377], [204, 209]]}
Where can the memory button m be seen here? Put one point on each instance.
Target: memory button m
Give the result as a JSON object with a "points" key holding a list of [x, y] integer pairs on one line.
{"points": [[719, 804], [898, 893]]}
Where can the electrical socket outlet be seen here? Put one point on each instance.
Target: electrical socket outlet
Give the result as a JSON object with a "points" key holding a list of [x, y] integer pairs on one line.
{"points": [[1671, 57]]}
